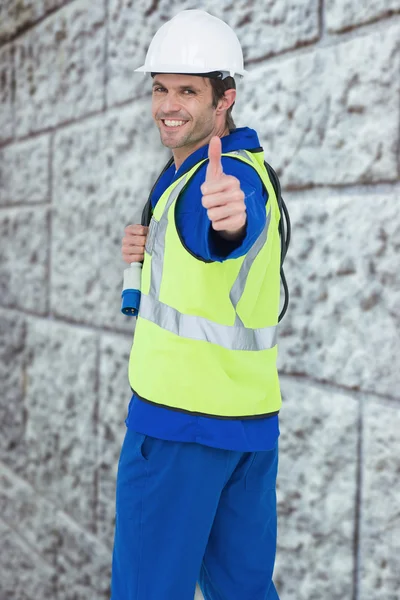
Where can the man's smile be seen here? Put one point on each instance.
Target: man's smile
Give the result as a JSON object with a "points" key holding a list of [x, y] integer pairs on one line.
{"points": [[173, 124]]}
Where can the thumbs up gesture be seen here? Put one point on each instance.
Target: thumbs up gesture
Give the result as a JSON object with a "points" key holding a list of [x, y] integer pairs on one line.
{"points": [[222, 196]]}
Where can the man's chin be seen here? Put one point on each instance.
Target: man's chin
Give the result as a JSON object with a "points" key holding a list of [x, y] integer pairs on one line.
{"points": [[168, 142]]}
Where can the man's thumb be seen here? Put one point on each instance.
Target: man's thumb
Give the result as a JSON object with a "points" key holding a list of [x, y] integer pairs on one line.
{"points": [[214, 168]]}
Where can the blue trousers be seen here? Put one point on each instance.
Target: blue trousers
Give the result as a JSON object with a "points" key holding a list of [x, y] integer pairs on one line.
{"points": [[187, 512]]}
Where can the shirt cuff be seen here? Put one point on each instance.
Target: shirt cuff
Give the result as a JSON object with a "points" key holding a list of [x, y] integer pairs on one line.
{"points": [[221, 249]]}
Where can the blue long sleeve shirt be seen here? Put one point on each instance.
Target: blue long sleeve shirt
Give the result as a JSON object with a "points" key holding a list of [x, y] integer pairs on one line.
{"points": [[194, 226]]}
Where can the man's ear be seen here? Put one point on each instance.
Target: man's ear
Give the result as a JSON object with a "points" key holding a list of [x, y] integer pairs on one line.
{"points": [[227, 100]]}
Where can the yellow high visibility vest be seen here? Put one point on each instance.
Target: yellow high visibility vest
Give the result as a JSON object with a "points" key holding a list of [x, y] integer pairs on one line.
{"points": [[205, 339]]}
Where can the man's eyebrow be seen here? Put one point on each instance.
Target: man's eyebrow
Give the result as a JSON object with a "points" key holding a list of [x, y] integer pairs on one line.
{"points": [[188, 86]]}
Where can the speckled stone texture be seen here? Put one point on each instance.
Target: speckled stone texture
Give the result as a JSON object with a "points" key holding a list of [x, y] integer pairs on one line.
{"points": [[60, 67], [114, 397], [12, 378], [24, 172], [343, 268], [78, 155], [344, 14], [316, 493], [57, 453], [46, 554], [380, 517], [6, 94], [336, 129], [24, 575], [103, 171], [15, 15], [24, 269]]}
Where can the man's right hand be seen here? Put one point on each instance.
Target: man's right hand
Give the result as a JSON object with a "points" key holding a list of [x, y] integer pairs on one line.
{"points": [[133, 243]]}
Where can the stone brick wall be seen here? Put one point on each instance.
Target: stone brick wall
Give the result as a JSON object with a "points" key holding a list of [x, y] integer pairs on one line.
{"points": [[77, 154]]}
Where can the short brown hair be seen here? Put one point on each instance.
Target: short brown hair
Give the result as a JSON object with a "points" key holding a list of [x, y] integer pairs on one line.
{"points": [[219, 87]]}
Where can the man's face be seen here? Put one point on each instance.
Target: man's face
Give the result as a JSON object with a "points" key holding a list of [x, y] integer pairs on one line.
{"points": [[182, 109]]}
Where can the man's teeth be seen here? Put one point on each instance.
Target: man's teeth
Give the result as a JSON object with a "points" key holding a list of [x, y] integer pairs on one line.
{"points": [[174, 123]]}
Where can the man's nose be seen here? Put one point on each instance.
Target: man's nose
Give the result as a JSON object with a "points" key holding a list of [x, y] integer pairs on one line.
{"points": [[170, 104]]}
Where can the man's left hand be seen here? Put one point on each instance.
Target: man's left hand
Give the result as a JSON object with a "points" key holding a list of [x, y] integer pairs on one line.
{"points": [[222, 196]]}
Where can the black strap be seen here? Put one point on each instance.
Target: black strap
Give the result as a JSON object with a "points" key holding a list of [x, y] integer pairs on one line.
{"points": [[284, 222], [148, 209]]}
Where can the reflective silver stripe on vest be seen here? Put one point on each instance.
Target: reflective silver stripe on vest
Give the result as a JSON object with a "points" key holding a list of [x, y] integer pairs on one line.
{"points": [[158, 245], [198, 328], [241, 280]]}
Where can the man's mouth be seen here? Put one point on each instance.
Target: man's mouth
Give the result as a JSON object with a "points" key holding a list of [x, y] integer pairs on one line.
{"points": [[172, 123]]}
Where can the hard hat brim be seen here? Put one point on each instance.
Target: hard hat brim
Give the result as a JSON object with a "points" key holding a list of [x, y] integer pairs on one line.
{"points": [[187, 70]]}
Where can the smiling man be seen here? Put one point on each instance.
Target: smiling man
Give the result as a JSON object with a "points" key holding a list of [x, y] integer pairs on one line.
{"points": [[196, 481]]}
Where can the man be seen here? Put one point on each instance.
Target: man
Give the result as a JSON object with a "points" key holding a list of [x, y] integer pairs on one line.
{"points": [[196, 482]]}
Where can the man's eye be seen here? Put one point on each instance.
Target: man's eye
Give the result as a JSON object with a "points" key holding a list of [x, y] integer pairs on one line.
{"points": [[158, 89], [189, 92]]}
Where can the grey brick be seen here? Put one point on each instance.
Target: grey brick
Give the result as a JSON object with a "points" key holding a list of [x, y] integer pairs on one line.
{"points": [[102, 176], [24, 248], [114, 396], [58, 452], [329, 129], [6, 94], [24, 172], [59, 67], [12, 378], [316, 493], [24, 576], [342, 15], [264, 28], [81, 564], [28, 514], [17, 14], [269, 27], [343, 322], [380, 517]]}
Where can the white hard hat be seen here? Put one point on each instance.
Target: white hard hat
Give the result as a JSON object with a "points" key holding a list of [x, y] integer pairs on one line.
{"points": [[194, 42]]}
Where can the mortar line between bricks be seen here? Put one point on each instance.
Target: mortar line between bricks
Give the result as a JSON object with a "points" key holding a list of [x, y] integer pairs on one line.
{"points": [[13, 92], [106, 49], [24, 205], [58, 510], [50, 166], [389, 15], [27, 543], [80, 325], [385, 186], [339, 186], [321, 18], [296, 194], [346, 190], [29, 26], [358, 506], [328, 40], [152, 9], [69, 123], [96, 419], [398, 142], [336, 387]]}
